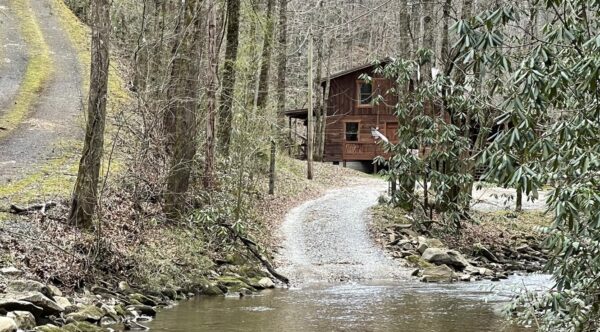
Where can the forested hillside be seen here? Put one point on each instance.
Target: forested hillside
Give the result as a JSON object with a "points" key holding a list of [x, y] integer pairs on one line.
{"points": [[147, 155]]}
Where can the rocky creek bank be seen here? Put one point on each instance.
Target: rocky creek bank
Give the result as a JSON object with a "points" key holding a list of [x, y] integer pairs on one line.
{"points": [[473, 258], [30, 305]]}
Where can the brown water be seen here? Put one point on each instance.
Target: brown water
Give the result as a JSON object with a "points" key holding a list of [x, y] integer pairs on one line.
{"points": [[403, 306]]}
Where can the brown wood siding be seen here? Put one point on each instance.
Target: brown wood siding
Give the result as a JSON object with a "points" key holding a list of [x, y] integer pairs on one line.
{"points": [[342, 108]]}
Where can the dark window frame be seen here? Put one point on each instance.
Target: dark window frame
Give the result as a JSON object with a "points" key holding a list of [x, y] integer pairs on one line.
{"points": [[351, 136]]}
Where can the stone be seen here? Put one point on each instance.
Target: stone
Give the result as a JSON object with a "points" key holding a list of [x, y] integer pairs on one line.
{"points": [[464, 277], [439, 273], [11, 271], [142, 309], [54, 291], [63, 302], [171, 294], [48, 328], [440, 256], [48, 306], [483, 251], [123, 286], [212, 290], [25, 286], [142, 299], [82, 327], [266, 283], [425, 243], [7, 324], [24, 319], [16, 305], [89, 313]]}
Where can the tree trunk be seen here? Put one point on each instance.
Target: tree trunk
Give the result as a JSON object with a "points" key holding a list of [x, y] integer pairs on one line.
{"points": [[227, 91], [182, 109], [85, 198], [320, 125], [211, 96], [263, 79], [309, 129]]}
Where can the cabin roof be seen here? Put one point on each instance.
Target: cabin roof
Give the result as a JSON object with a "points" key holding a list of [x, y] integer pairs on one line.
{"points": [[385, 60], [300, 113]]}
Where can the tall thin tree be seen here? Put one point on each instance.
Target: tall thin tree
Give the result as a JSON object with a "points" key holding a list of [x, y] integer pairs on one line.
{"points": [[181, 112], [211, 91], [229, 75], [85, 195]]}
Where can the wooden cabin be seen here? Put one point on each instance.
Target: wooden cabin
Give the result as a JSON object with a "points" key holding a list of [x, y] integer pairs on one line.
{"points": [[352, 115]]}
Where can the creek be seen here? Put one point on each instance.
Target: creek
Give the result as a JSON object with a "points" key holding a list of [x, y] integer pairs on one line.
{"points": [[365, 306]]}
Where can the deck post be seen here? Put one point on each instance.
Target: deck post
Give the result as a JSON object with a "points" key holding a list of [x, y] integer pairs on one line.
{"points": [[289, 144], [344, 164]]}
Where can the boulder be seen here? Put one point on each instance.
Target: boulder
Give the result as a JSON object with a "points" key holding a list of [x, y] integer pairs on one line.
{"points": [[142, 309], [11, 271], [212, 290], [440, 273], [64, 303], [26, 286], [483, 251], [142, 299], [24, 319], [425, 243], [48, 328], [440, 256], [16, 305], [54, 291], [7, 324], [89, 313], [82, 327], [123, 286], [266, 283], [48, 306]]}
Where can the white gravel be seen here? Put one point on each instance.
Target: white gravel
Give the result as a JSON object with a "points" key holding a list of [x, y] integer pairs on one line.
{"points": [[326, 239]]}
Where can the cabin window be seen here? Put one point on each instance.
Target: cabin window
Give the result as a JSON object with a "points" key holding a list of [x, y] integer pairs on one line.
{"points": [[351, 131], [365, 93]]}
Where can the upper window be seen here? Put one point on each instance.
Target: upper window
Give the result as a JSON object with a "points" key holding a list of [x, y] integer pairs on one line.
{"points": [[351, 131], [365, 93]]}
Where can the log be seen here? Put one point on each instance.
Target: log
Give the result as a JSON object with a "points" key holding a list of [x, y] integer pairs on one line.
{"points": [[251, 246], [14, 209]]}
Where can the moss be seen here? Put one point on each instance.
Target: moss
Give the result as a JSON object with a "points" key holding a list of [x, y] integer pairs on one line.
{"points": [[419, 262], [39, 68]]}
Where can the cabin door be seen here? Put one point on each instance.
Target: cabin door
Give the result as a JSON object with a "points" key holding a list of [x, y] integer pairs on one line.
{"points": [[391, 132]]}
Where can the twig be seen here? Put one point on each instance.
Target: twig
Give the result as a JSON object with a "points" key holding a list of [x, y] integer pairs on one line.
{"points": [[14, 209]]}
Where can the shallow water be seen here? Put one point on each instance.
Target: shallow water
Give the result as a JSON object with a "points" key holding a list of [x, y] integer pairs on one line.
{"points": [[402, 306]]}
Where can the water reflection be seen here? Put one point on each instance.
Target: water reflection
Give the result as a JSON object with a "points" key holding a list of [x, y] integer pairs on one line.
{"points": [[407, 306]]}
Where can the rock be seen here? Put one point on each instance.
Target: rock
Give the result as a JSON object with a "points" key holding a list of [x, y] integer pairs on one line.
{"points": [[465, 277], [48, 328], [142, 309], [7, 325], [16, 305], [82, 327], [266, 283], [212, 290], [440, 273], [11, 271], [440, 256], [143, 299], [171, 294], [418, 261], [123, 286], [24, 319], [48, 306], [54, 291], [415, 272], [89, 313], [64, 302], [483, 251], [425, 243], [25, 286]]}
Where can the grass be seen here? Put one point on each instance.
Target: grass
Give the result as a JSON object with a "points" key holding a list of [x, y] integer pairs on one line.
{"points": [[57, 177], [39, 68]]}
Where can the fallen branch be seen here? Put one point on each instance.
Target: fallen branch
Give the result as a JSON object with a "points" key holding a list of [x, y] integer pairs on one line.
{"points": [[251, 246], [14, 209]]}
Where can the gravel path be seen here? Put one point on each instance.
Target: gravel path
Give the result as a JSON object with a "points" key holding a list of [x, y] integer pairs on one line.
{"points": [[57, 113], [326, 239], [13, 56]]}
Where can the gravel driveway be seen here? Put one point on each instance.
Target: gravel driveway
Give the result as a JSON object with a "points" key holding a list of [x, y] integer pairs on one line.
{"points": [[326, 239]]}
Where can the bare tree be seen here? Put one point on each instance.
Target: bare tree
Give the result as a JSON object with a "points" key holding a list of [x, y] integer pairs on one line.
{"points": [[211, 91], [229, 75], [85, 198], [181, 113]]}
